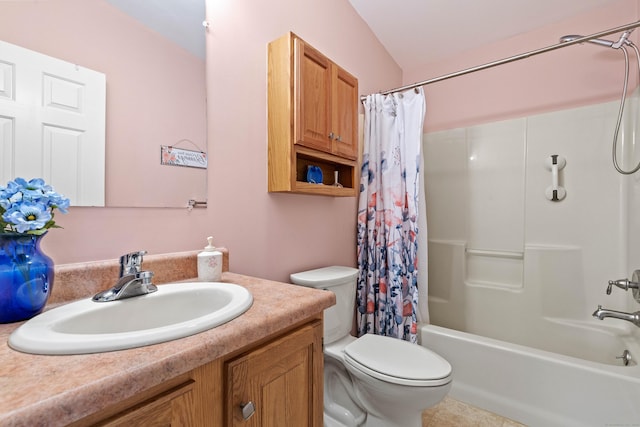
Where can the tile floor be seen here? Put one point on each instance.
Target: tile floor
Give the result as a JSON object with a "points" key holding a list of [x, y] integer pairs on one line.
{"points": [[453, 413]]}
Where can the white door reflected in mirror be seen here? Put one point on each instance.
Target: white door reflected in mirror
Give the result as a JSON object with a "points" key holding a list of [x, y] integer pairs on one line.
{"points": [[52, 124]]}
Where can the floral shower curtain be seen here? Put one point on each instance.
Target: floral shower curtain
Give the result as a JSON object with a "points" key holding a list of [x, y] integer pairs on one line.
{"points": [[387, 293]]}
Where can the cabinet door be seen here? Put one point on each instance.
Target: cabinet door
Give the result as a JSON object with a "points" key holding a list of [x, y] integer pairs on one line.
{"points": [[312, 95], [345, 113], [280, 384], [173, 408]]}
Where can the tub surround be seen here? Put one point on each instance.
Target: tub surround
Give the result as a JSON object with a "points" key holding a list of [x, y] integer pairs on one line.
{"points": [[41, 390]]}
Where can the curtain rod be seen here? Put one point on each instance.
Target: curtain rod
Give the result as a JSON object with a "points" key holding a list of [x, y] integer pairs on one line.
{"points": [[511, 59]]}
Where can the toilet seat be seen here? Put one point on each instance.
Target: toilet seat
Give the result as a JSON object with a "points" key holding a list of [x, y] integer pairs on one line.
{"points": [[398, 362]]}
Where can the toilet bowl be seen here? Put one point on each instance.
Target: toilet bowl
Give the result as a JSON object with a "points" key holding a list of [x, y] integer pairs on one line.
{"points": [[371, 381]]}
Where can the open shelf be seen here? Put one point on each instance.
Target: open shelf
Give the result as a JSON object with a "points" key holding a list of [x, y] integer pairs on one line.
{"points": [[305, 157]]}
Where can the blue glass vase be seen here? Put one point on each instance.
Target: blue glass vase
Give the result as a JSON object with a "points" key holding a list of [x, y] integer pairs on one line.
{"points": [[26, 277]]}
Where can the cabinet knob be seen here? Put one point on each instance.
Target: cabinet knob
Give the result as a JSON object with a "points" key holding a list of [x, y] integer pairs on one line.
{"points": [[248, 409], [339, 138], [332, 135]]}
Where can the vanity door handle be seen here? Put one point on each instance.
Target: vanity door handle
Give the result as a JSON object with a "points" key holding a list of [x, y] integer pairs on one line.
{"points": [[248, 409], [331, 135]]}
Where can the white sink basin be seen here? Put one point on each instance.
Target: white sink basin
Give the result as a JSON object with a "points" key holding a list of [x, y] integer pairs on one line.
{"points": [[174, 311]]}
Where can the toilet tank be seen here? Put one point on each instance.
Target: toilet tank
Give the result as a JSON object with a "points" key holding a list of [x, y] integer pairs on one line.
{"points": [[338, 319]]}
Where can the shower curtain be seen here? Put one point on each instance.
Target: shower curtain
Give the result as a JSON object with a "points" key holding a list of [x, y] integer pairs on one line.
{"points": [[388, 214]]}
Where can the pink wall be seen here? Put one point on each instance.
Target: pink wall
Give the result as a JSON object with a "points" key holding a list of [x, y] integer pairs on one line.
{"points": [[273, 235], [571, 76], [269, 235]]}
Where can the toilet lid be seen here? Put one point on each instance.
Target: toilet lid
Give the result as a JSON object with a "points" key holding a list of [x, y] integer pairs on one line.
{"points": [[325, 277], [397, 361]]}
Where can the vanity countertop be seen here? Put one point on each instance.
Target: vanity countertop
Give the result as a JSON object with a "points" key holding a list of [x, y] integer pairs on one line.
{"points": [[57, 390]]}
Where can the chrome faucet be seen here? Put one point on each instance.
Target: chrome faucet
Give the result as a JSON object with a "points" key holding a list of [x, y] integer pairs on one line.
{"points": [[601, 313], [132, 281]]}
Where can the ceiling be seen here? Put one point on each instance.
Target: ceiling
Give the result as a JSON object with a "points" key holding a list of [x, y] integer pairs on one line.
{"points": [[416, 32], [178, 20]]}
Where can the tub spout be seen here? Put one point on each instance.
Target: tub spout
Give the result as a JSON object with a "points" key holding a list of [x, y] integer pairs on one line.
{"points": [[601, 313]]}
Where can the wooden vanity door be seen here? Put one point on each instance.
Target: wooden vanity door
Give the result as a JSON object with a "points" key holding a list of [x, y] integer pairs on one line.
{"points": [[172, 408], [281, 381]]}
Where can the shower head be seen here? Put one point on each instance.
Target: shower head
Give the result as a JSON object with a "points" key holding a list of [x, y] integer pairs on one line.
{"points": [[624, 39], [622, 44]]}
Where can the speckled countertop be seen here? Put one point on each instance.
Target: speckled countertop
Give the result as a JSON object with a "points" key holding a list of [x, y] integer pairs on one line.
{"points": [[57, 390]]}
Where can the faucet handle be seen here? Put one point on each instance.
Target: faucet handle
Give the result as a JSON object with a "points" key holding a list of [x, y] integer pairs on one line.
{"points": [[131, 263], [625, 284]]}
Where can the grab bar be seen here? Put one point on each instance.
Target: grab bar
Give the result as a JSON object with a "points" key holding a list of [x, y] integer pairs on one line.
{"points": [[496, 254]]}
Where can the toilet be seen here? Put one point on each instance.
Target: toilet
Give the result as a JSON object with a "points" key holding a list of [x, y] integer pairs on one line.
{"points": [[371, 381]]}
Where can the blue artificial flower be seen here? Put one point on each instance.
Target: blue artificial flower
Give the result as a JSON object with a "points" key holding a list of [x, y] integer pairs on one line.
{"points": [[27, 216], [32, 184], [27, 206], [32, 191], [9, 194], [58, 201]]}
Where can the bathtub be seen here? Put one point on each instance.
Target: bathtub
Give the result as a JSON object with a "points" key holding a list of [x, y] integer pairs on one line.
{"points": [[543, 388]]}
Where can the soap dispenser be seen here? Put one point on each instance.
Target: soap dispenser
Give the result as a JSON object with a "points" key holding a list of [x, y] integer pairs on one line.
{"points": [[210, 263]]}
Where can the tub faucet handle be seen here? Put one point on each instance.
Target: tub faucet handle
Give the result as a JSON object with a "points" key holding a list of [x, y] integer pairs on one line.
{"points": [[625, 284]]}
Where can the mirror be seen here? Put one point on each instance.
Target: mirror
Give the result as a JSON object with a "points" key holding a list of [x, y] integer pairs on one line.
{"points": [[155, 86]]}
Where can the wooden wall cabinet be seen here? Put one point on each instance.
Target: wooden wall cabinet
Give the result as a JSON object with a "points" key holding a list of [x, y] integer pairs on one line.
{"points": [[281, 377], [313, 120]]}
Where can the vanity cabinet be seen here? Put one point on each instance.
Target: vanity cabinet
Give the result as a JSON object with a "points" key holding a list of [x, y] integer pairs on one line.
{"points": [[313, 120], [174, 407], [277, 384], [282, 377]]}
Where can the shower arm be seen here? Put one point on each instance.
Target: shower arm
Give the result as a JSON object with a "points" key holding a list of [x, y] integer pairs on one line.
{"points": [[624, 39]]}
